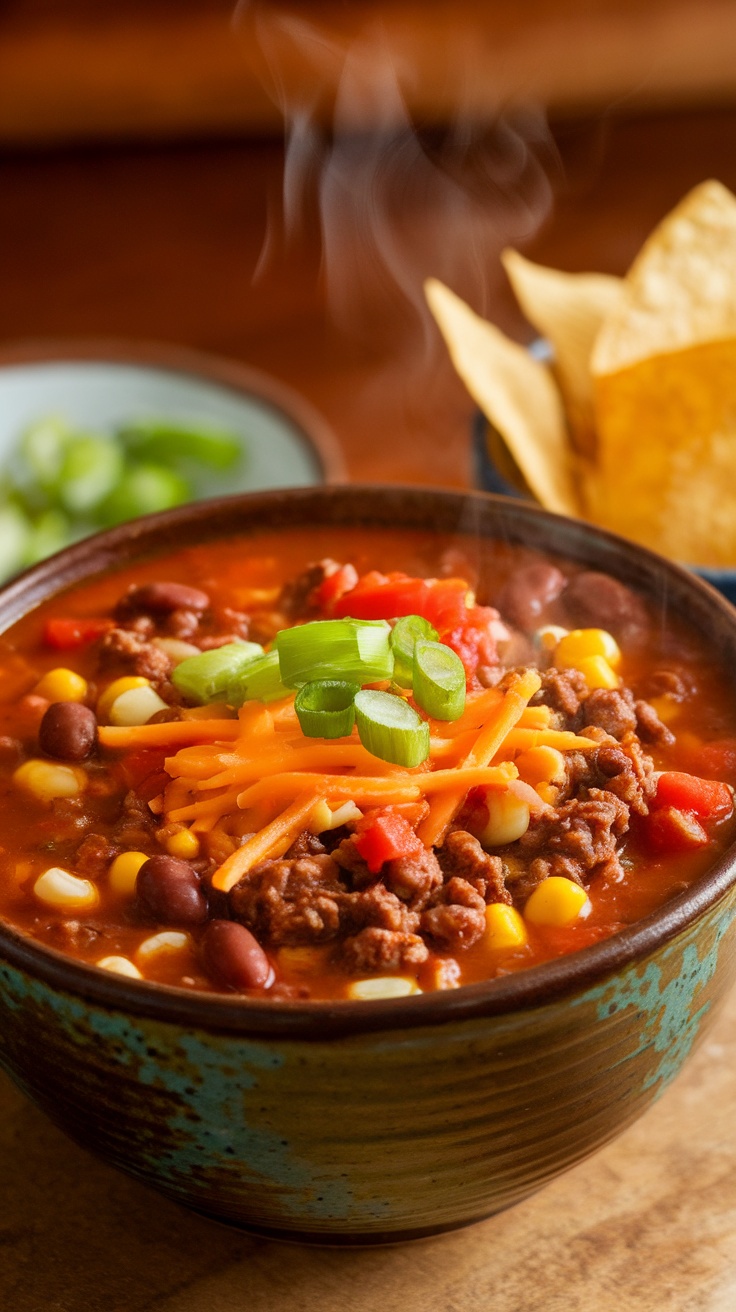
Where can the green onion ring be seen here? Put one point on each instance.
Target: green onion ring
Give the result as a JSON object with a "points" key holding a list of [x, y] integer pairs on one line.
{"points": [[408, 630], [390, 728], [325, 708], [438, 680]]}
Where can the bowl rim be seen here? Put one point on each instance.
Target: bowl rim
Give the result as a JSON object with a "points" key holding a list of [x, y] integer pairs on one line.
{"points": [[526, 989], [163, 357]]}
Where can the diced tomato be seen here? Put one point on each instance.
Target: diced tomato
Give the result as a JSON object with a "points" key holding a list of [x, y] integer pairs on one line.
{"points": [[384, 596], [67, 634], [385, 836], [668, 830], [473, 641], [331, 589], [446, 606], [707, 798]]}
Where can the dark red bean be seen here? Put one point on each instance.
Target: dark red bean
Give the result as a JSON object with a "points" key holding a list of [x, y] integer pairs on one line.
{"points": [[162, 599], [595, 600], [67, 731], [232, 956], [528, 592], [169, 892]]}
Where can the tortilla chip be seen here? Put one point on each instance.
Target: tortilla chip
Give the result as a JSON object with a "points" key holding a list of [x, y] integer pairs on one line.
{"points": [[515, 392], [568, 309], [667, 470], [681, 288]]}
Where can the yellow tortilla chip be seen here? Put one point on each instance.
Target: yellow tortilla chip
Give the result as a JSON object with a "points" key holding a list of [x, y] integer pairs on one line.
{"points": [[681, 288], [667, 465], [568, 309], [515, 392]]}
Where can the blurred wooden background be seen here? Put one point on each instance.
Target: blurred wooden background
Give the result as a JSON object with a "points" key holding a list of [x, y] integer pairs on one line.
{"points": [[73, 70]]}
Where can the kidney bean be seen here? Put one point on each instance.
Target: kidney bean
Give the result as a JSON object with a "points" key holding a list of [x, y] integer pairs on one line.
{"points": [[232, 956], [162, 599], [528, 591], [67, 731], [595, 600], [168, 891]]}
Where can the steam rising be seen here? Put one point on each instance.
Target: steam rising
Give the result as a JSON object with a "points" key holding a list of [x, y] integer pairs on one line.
{"points": [[385, 191]]}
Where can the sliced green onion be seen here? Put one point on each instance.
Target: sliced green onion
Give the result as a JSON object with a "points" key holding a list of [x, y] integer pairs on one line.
{"points": [[167, 440], [325, 708], [42, 448], [438, 680], [143, 490], [390, 728], [90, 469], [258, 681], [356, 651], [207, 677], [407, 631]]}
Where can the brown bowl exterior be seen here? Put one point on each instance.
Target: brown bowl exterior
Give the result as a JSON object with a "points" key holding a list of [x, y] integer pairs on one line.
{"points": [[367, 1122]]}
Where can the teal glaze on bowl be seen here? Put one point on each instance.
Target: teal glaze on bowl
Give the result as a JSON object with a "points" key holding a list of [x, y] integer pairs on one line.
{"points": [[362, 1122], [396, 1132]]}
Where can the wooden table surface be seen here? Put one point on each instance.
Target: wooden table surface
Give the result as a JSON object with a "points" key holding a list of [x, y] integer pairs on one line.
{"points": [[162, 243]]}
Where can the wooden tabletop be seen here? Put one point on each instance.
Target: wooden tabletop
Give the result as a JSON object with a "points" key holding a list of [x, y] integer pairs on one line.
{"points": [[162, 243]]}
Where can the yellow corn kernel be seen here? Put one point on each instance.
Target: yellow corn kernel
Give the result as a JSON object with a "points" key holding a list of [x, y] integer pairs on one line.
{"points": [[598, 673], [123, 872], [65, 892], [580, 643], [549, 636], [183, 843], [382, 986], [114, 690], [541, 765], [62, 685], [135, 706], [508, 819], [120, 966], [49, 779], [505, 928], [169, 940], [666, 707], [556, 901]]}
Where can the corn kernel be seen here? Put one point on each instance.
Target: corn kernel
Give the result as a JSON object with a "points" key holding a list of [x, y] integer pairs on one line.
{"points": [[114, 690], [66, 892], [135, 706], [123, 872], [120, 966], [580, 643], [49, 779], [548, 637], [169, 940], [508, 819], [505, 928], [383, 986], [176, 649], [597, 672], [299, 960], [666, 707], [541, 765], [62, 685], [183, 843], [557, 901]]}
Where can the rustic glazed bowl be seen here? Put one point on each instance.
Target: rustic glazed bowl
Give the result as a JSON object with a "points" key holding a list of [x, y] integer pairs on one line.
{"points": [[371, 1121]]}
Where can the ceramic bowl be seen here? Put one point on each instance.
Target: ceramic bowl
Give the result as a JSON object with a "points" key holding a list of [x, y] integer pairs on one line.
{"points": [[360, 1122], [101, 385], [496, 471]]}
